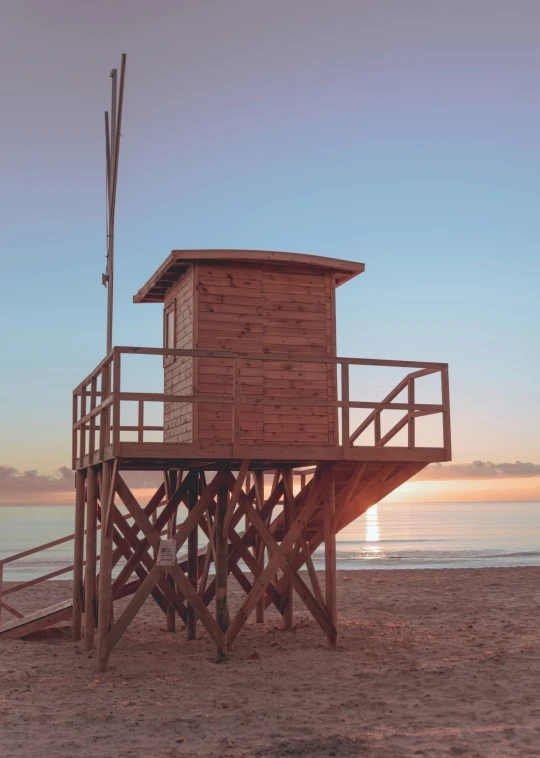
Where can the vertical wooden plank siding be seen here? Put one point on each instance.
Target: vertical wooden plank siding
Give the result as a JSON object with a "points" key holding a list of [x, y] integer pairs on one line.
{"points": [[78, 557], [91, 555], [229, 317], [332, 351], [260, 308], [296, 320], [195, 344], [178, 417]]}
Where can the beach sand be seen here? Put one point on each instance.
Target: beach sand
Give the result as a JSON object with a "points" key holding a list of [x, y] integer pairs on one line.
{"points": [[429, 663]]}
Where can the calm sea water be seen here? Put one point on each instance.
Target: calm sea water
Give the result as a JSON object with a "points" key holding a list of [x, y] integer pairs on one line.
{"points": [[388, 536]]}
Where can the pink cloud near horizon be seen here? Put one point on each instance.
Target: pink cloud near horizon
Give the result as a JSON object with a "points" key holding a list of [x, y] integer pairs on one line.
{"points": [[32, 488]]}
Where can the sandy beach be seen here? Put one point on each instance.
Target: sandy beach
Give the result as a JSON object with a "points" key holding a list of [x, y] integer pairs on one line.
{"points": [[430, 663]]}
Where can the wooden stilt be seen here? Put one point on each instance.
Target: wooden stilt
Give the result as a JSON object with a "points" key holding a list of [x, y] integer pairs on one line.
{"points": [[287, 597], [258, 548], [330, 553], [78, 557], [222, 568], [108, 486], [193, 556], [90, 569], [172, 482]]}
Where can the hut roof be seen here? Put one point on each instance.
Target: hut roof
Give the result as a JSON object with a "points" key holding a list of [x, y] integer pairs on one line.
{"points": [[171, 269]]}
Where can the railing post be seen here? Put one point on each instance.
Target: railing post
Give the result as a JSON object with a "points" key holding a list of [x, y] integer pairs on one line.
{"points": [[345, 431], [116, 402], [410, 415], [104, 415], [140, 422], [377, 427], [92, 427], [236, 407], [84, 394], [74, 433], [445, 392]]}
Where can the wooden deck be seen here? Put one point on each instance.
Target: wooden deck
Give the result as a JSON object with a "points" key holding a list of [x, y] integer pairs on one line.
{"points": [[100, 402]]}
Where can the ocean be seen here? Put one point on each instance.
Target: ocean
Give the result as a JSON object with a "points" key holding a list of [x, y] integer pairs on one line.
{"points": [[388, 536]]}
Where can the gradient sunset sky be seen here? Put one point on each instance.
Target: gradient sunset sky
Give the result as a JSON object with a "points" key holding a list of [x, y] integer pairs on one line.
{"points": [[401, 133]]}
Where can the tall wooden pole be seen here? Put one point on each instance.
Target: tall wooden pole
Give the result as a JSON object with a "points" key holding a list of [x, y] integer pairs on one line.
{"points": [[90, 610], [78, 557], [113, 126]]}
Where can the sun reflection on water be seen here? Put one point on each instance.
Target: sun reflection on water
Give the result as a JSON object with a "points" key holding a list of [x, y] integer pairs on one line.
{"points": [[372, 530]]}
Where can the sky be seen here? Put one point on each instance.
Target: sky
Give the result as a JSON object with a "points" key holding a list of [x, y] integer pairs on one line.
{"points": [[402, 134]]}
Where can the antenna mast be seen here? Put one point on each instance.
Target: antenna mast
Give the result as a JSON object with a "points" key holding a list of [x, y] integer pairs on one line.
{"points": [[113, 126]]}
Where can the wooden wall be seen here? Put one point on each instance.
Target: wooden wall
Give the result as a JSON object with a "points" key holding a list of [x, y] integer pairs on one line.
{"points": [[253, 308], [178, 417]]}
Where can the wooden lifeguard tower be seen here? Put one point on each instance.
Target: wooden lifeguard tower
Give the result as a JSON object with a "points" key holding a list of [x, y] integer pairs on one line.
{"points": [[256, 428], [267, 444]]}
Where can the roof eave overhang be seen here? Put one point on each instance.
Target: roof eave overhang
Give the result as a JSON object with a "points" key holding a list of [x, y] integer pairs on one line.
{"points": [[156, 288]]}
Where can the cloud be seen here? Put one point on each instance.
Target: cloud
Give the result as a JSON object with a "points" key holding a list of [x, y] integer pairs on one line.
{"points": [[17, 482], [31, 488], [479, 470]]}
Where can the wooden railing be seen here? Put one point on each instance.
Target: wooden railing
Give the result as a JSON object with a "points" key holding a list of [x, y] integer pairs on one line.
{"points": [[4, 592], [97, 400]]}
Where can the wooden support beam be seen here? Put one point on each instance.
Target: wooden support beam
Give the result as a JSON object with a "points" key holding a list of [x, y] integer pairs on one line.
{"points": [[330, 553], [129, 613], [78, 557], [193, 554], [278, 560], [109, 478], [235, 494], [125, 537], [287, 593], [202, 611], [90, 596], [222, 563], [258, 547], [172, 479], [314, 579]]}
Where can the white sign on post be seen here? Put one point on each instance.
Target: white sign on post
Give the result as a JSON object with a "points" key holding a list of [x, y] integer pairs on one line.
{"points": [[166, 553]]}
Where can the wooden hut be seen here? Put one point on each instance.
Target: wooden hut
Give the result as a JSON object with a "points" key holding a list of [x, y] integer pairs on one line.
{"points": [[250, 301]]}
